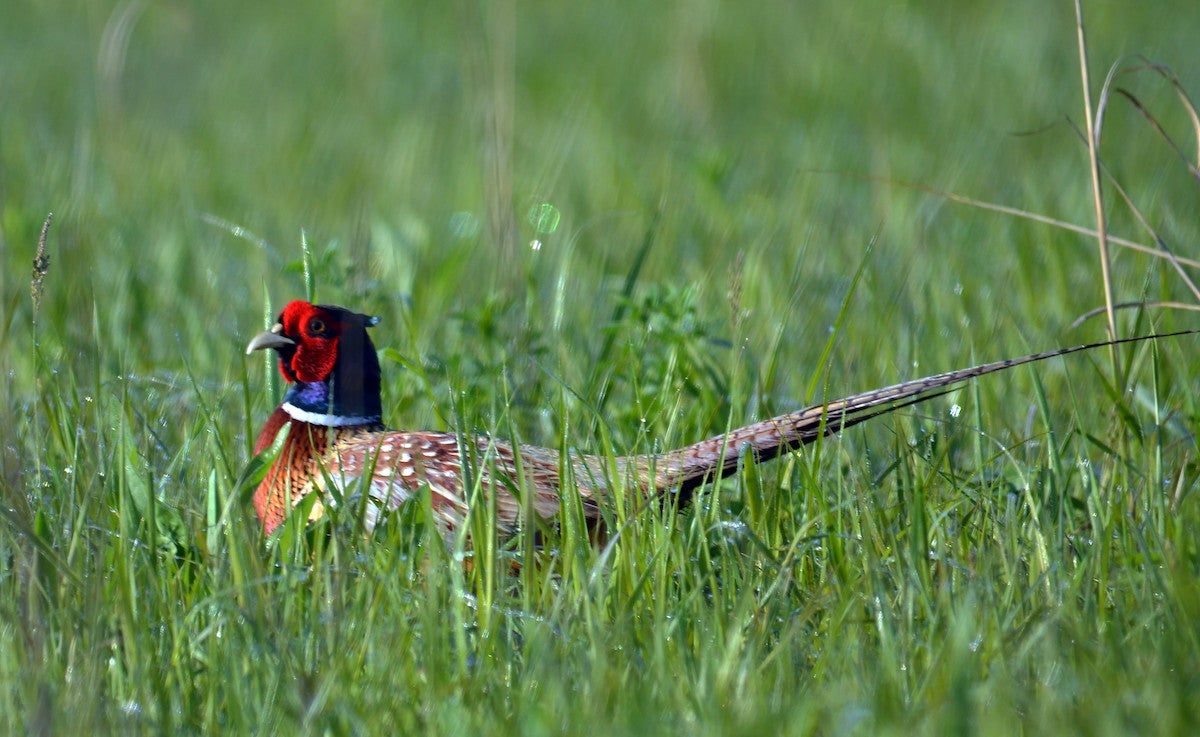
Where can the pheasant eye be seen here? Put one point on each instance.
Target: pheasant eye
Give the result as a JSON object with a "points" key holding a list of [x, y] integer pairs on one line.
{"points": [[316, 326]]}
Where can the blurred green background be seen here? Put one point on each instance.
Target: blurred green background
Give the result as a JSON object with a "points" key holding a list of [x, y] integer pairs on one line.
{"points": [[748, 128]]}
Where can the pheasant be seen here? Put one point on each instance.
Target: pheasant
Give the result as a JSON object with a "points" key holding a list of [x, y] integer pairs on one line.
{"points": [[336, 445]]}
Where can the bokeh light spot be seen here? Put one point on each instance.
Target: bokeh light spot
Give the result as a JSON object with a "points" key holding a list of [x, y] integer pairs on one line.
{"points": [[464, 225], [544, 218]]}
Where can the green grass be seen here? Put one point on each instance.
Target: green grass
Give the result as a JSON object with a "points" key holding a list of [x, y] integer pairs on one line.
{"points": [[717, 175]]}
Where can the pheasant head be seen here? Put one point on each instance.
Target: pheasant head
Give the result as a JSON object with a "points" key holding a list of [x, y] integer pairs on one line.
{"points": [[328, 358]]}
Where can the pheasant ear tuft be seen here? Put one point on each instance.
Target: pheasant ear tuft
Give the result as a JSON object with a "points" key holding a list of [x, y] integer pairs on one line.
{"points": [[372, 320]]}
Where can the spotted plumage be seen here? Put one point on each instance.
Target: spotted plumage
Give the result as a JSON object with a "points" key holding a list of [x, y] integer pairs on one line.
{"points": [[336, 447]]}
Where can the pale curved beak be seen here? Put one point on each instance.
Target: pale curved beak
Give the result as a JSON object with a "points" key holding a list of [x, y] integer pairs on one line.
{"points": [[272, 338]]}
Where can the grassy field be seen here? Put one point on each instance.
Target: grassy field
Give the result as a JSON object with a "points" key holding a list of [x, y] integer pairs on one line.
{"points": [[614, 229]]}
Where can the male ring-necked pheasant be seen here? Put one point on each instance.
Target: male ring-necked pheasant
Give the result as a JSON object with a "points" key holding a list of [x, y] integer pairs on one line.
{"points": [[335, 435]]}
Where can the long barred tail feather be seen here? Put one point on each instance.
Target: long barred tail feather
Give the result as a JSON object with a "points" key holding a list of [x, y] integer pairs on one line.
{"points": [[691, 466]]}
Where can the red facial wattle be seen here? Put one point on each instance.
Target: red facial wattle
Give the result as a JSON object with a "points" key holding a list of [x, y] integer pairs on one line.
{"points": [[316, 333]]}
